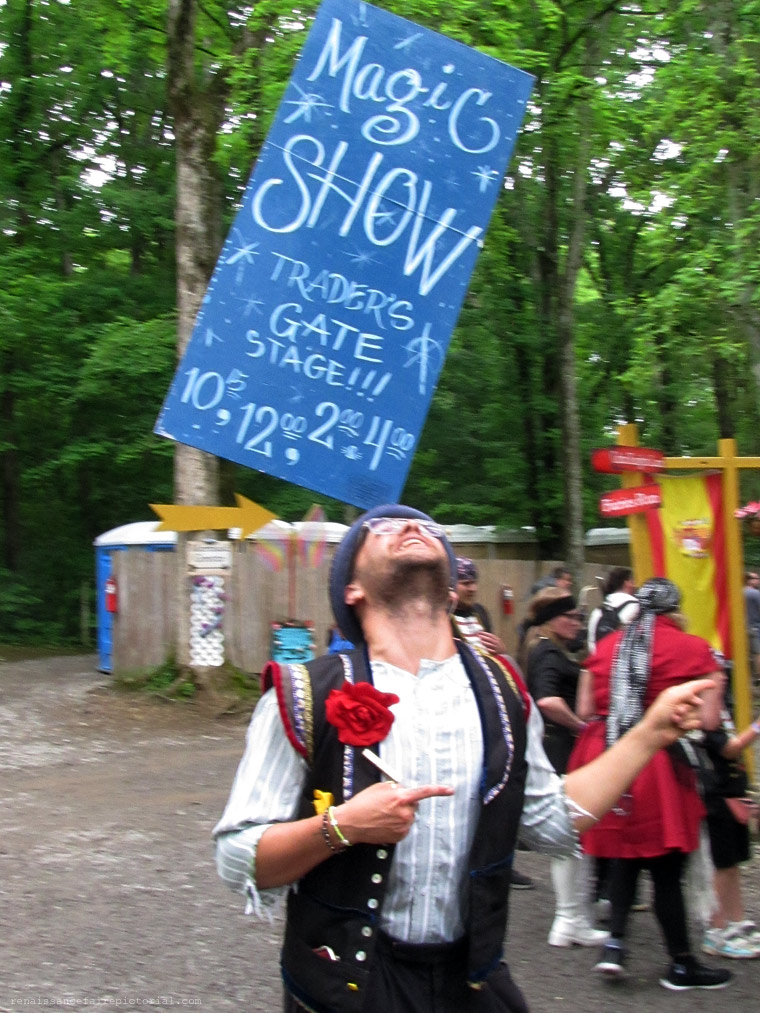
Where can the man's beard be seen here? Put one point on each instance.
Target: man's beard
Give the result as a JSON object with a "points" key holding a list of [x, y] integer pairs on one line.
{"points": [[410, 580]]}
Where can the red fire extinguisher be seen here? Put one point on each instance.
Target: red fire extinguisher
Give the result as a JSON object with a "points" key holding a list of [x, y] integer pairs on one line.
{"points": [[111, 594], [507, 600]]}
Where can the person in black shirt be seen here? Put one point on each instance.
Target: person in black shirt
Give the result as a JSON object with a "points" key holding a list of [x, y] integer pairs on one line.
{"points": [[552, 675], [724, 786], [471, 619]]}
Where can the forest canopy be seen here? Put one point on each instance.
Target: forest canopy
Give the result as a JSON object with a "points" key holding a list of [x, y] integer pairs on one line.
{"points": [[619, 281]]}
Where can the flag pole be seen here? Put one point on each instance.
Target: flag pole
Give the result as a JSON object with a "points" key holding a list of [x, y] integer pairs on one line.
{"points": [[641, 551], [741, 678], [292, 538]]}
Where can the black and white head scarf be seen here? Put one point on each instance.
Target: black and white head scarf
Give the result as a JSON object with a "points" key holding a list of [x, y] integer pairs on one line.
{"points": [[632, 661]]}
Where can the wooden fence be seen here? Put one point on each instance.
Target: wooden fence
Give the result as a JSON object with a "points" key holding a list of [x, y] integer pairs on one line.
{"points": [[144, 629]]}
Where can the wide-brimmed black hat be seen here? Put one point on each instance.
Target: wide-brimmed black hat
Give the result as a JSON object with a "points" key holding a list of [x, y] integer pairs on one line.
{"points": [[343, 563]]}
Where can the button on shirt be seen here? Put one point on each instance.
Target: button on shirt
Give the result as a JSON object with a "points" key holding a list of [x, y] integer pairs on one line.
{"points": [[435, 738]]}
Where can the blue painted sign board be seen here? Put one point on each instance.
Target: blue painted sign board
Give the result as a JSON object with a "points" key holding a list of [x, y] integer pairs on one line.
{"points": [[326, 323]]}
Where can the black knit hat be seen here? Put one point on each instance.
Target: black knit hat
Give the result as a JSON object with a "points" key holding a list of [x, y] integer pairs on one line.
{"points": [[343, 563]]}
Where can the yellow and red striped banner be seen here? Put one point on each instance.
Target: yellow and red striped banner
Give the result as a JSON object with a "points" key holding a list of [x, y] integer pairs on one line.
{"points": [[688, 546]]}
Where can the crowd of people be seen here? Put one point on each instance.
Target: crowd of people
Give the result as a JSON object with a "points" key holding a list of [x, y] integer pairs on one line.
{"points": [[386, 786]]}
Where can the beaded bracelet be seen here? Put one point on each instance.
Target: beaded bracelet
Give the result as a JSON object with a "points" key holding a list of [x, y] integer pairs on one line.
{"points": [[326, 832], [338, 832]]}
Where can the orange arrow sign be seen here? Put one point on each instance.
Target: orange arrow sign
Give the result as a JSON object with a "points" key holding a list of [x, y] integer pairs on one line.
{"points": [[247, 515]]}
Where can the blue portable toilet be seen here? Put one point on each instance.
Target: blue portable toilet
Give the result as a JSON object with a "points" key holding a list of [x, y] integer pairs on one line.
{"points": [[141, 534]]}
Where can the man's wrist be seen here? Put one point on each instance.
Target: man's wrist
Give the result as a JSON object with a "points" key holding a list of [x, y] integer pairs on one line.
{"points": [[650, 739]]}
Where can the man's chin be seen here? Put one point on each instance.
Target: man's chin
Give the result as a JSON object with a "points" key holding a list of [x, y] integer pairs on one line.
{"points": [[418, 576]]}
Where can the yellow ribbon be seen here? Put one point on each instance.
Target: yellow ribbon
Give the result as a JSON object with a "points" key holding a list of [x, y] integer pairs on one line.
{"points": [[322, 800]]}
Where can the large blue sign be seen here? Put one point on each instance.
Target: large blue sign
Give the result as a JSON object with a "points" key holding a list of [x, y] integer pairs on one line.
{"points": [[325, 326]]}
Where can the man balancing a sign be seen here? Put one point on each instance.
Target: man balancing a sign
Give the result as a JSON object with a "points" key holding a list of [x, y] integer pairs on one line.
{"points": [[398, 870]]}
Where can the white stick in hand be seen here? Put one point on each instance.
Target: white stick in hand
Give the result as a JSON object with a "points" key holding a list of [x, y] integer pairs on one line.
{"points": [[381, 766]]}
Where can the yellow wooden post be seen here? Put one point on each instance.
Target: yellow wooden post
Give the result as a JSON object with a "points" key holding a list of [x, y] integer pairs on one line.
{"points": [[742, 679], [641, 549]]}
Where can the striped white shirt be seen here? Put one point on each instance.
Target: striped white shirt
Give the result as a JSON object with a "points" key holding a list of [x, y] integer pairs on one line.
{"points": [[435, 738]]}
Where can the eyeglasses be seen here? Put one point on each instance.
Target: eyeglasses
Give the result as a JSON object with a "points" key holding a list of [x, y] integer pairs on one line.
{"points": [[392, 525]]}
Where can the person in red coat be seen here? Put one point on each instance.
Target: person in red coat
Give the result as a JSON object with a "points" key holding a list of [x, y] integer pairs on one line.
{"points": [[655, 825]]}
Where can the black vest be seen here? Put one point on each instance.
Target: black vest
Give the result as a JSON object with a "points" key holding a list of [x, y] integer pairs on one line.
{"points": [[338, 903]]}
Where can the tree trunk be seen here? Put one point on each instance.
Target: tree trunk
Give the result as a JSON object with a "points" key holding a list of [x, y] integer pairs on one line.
{"points": [[571, 422], [196, 474], [725, 387], [9, 477]]}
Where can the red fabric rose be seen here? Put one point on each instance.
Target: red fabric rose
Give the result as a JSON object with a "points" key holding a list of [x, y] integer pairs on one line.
{"points": [[360, 713]]}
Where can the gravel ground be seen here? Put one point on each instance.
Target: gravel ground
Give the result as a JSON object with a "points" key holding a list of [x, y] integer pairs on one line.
{"points": [[108, 888]]}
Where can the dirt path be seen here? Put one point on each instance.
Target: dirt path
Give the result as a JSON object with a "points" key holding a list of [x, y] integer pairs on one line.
{"points": [[108, 888], [106, 862]]}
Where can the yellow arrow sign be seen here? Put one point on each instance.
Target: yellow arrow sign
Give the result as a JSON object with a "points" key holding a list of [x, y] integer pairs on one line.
{"points": [[247, 515]]}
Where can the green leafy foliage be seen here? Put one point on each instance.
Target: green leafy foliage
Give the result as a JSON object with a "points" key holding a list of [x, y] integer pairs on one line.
{"points": [[620, 267]]}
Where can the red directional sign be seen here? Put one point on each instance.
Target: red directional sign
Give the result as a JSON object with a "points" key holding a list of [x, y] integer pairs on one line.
{"points": [[616, 460], [636, 500]]}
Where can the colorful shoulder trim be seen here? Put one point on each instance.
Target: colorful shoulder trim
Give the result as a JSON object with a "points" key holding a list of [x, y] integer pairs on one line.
{"points": [[294, 698], [514, 677], [506, 724]]}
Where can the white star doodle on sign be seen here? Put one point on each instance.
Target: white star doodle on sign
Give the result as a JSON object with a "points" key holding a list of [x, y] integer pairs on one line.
{"points": [[408, 42], [243, 254], [361, 258], [308, 102], [422, 350], [352, 453], [250, 304], [210, 337], [486, 176]]}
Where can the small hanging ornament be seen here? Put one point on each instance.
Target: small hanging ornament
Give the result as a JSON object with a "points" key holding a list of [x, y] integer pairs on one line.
{"points": [[750, 514]]}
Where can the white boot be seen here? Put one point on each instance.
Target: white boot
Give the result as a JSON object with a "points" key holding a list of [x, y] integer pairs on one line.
{"points": [[571, 923]]}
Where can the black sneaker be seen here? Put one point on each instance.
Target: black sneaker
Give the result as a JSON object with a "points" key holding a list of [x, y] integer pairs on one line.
{"points": [[611, 961], [519, 882], [688, 973]]}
